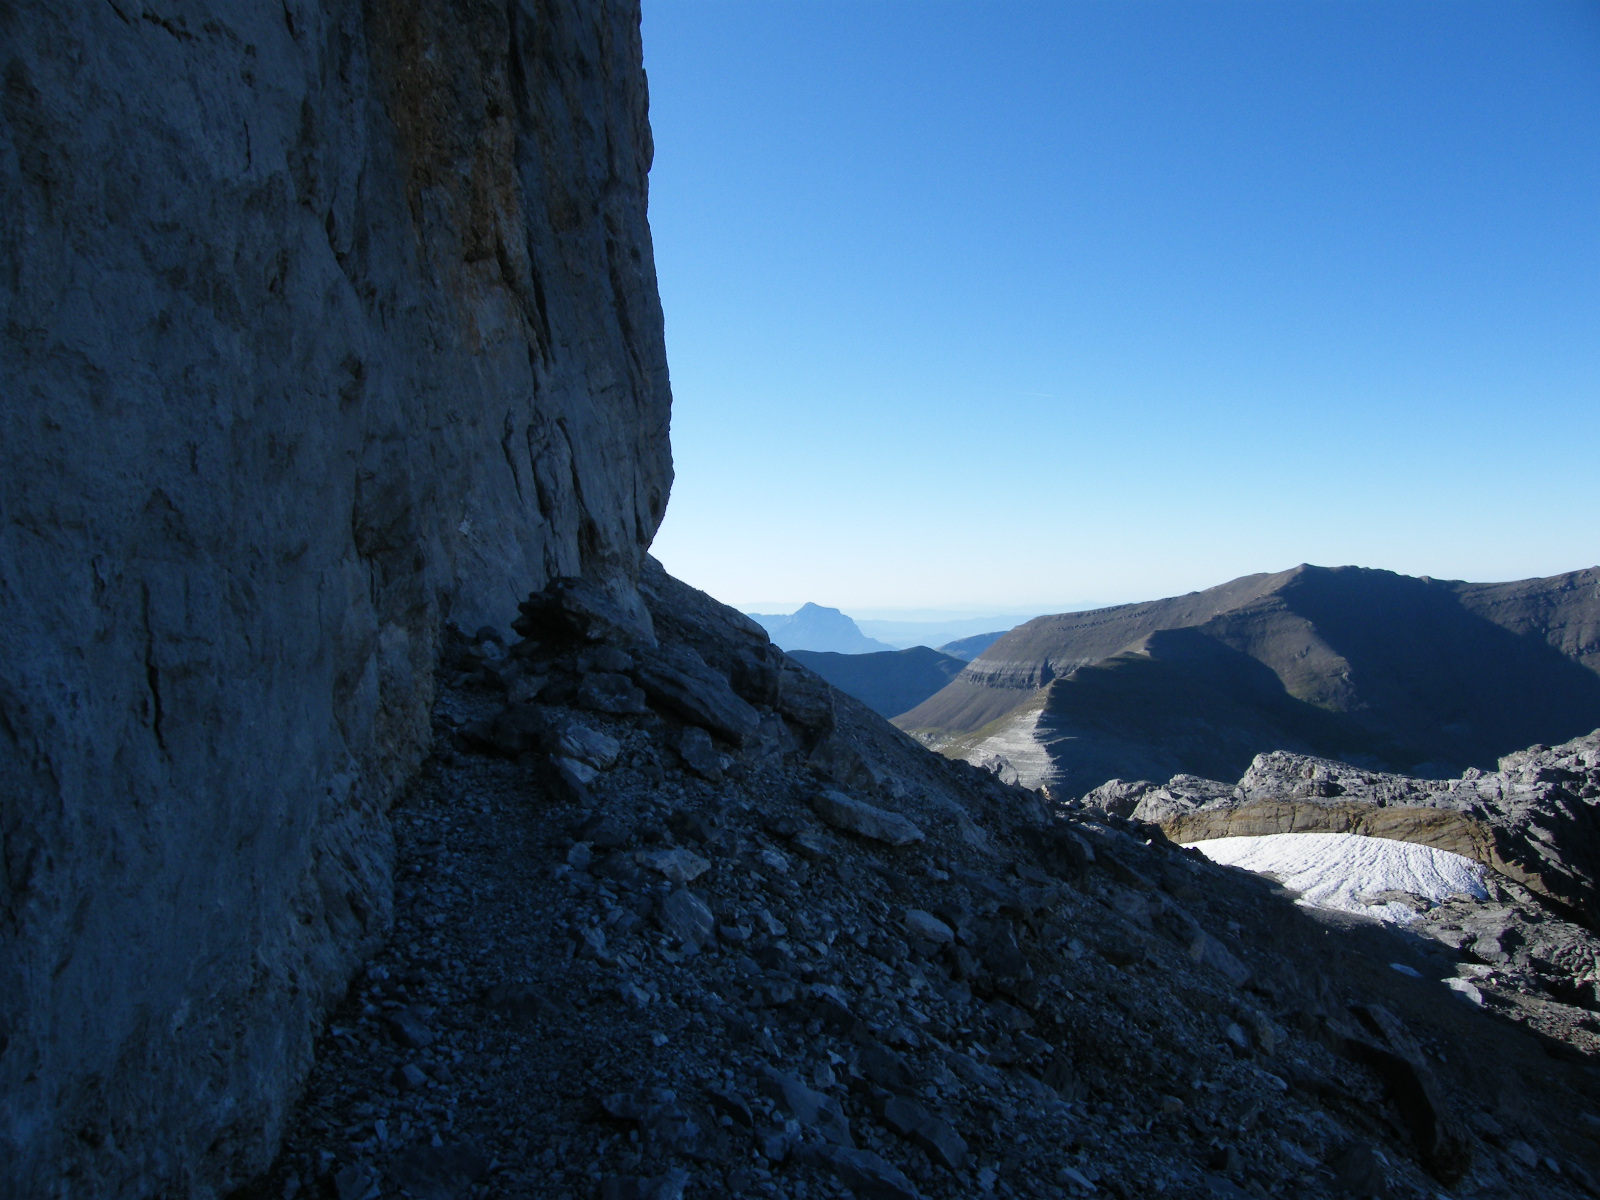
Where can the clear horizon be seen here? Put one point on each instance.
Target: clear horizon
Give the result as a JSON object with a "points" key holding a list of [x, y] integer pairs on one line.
{"points": [[982, 306]]}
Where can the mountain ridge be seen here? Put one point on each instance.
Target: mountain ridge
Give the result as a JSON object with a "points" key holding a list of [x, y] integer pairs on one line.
{"points": [[1391, 671]]}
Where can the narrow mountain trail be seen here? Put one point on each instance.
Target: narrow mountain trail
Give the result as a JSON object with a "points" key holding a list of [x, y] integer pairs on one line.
{"points": [[805, 958]]}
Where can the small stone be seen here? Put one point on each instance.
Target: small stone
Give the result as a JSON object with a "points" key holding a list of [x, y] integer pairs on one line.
{"points": [[928, 927], [408, 1027], [1523, 1153], [856, 816], [775, 1145], [813, 844], [1075, 1177], [686, 917], [633, 995], [884, 1067], [913, 1121], [603, 832], [1226, 1159], [865, 1173], [731, 1104], [1208, 950], [677, 864], [580, 856], [1237, 1038], [775, 860], [1360, 1168], [355, 1183], [410, 1077], [1466, 990], [608, 693], [577, 768], [699, 753], [812, 1109]]}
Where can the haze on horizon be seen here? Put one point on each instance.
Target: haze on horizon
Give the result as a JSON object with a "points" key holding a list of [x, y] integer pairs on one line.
{"points": [[1012, 305]]}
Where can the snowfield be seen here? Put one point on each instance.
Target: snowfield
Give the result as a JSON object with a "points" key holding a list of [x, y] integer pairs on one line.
{"points": [[1376, 877]]}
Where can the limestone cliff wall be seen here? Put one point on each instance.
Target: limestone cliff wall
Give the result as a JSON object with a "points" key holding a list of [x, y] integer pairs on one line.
{"points": [[324, 322]]}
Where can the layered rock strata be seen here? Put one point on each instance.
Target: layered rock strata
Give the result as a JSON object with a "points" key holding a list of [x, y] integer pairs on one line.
{"points": [[321, 324], [1422, 675]]}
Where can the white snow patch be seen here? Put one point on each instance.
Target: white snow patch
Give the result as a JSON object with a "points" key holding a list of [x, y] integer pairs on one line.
{"points": [[1353, 873]]}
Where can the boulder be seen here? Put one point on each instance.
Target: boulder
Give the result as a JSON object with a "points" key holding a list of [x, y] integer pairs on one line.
{"points": [[866, 820], [677, 679]]}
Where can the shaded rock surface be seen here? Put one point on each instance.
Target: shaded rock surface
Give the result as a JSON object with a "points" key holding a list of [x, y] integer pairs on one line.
{"points": [[321, 323], [1023, 1003], [890, 682], [1424, 676]]}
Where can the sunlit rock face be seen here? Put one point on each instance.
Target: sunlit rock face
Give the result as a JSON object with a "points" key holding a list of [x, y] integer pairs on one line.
{"points": [[325, 322]]}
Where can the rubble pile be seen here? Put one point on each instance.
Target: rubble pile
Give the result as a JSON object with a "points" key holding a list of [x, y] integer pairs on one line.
{"points": [[675, 919]]}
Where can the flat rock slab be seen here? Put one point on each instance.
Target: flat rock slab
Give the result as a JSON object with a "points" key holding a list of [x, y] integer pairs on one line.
{"points": [[858, 817], [677, 864]]}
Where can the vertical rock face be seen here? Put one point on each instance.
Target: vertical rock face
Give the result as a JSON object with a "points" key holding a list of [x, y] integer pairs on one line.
{"points": [[324, 322]]}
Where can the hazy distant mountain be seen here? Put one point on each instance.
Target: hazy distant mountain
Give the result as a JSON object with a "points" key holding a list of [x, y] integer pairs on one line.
{"points": [[812, 627], [1419, 675], [968, 648], [890, 682]]}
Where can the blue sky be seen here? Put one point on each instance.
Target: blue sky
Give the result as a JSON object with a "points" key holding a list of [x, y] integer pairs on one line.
{"points": [[1008, 306]]}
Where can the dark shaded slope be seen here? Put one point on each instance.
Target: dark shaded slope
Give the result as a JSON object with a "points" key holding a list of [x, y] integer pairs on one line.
{"points": [[1007, 675], [968, 648], [1444, 682], [1563, 610], [1181, 702], [1419, 675], [889, 683]]}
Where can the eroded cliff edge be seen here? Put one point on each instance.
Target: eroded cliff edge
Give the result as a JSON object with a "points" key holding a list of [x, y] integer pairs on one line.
{"points": [[324, 323]]}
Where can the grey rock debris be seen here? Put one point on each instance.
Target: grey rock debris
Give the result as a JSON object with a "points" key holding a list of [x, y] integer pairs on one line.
{"points": [[824, 1014], [868, 820]]}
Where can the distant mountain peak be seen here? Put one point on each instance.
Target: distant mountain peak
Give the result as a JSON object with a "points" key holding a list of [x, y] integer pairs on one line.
{"points": [[817, 627]]}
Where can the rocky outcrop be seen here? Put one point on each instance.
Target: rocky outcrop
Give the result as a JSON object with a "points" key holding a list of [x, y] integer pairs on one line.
{"points": [[1424, 676], [324, 323], [1535, 821], [636, 957]]}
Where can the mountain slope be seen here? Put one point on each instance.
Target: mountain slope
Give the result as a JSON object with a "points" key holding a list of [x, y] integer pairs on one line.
{"points": [[1421, 675], [888, 683], [968, 648]]}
